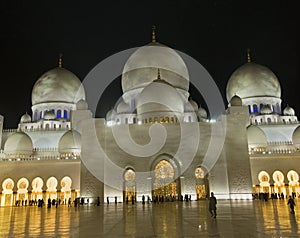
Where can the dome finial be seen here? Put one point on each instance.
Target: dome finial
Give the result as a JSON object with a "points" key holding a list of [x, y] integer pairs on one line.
{"points": [[248, 56], [158, 74], [153, 34], [60, 60]]}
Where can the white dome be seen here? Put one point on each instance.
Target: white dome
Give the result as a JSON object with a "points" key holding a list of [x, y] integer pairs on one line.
{"points": [[266, 109], [202, 113], [191, 106], [288, 111], [81, 105], [57, 85], [236, 101], [256, 136], [18, 143], [296, 136], [49, 115], [110, 115], [159, 96], [26, 118], [253, 80], [123, 107], [70, 142], [141, 68]]}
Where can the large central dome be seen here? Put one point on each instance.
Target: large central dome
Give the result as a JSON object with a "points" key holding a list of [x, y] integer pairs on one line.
{"points": [[141, 68], [253, 80], [57, 85]]}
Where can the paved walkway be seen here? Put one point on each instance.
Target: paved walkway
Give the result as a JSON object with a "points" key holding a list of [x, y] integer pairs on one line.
{"points": [[172, 219]]}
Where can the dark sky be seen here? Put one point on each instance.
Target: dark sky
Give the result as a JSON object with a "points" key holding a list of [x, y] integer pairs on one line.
{"points": [[216, 33]]}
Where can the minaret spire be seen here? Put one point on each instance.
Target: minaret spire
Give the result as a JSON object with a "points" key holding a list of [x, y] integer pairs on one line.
{"points": [[153, 34], [248, 56], [60, 60]]}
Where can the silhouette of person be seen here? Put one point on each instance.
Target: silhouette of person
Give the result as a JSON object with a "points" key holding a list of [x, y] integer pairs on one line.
{"points": [[213, 205], [292, 204]]}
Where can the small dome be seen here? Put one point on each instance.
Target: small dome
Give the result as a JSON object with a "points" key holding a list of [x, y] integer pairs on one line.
{"points": [[202, 113], [18, 143], [236, 101], [81, 105], [49, 115], [266, 109], [256, 137], [123, 107], [191, 106], [296, 136], [288, 111], [70, 142], [110, 115], [57, 85], [26, 118], [159, 96], [253, 80]]}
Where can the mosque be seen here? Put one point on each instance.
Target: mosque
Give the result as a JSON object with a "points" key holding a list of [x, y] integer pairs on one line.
{"points": [[156, 141]]}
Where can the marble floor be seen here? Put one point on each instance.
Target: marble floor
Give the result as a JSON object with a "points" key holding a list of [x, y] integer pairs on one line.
{"points": [[169, 219]]}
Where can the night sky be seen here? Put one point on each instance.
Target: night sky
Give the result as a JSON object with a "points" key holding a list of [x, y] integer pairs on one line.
{"points": [[216, 33]]}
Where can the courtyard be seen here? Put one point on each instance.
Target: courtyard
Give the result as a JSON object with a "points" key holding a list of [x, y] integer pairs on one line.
{"points": [[236, 218]]}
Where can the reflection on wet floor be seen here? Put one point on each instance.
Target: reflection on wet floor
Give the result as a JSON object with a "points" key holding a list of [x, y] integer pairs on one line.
{"points": [[169, 219]]}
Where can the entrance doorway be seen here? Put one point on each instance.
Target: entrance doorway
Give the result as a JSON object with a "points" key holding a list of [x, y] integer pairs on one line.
{"points": [[129, 185], [164, 184]]}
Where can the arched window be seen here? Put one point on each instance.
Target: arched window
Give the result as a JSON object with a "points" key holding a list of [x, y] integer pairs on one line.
{"points": [[41, 114], [255, 109], [260, 106], [269, 120], [58, 114], [35, 117], [249, 109], [65, 114]]}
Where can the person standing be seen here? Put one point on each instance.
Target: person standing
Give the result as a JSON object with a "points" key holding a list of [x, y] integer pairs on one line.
{"points": [[292, 204], [213, 205]]}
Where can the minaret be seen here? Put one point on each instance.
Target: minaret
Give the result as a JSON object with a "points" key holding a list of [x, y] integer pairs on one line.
{"points": [[248, 56], [153, 34], [60, 60]]}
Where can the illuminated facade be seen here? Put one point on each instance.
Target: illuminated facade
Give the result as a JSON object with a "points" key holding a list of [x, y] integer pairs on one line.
{"points": [[46, 156]]}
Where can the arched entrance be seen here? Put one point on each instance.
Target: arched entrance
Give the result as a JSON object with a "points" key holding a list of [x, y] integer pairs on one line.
{"points": [[51, 188], [22, 194], [164, 175], [264, 180], [293, 178], [7, 192], [65, 184], [37, 188], [201, 183], [129, 185], [279, 186]]}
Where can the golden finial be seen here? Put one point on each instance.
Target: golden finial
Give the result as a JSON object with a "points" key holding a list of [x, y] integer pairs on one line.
{"points": [[158, 74], [248, 56], [60, 60], [153, 34]]}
